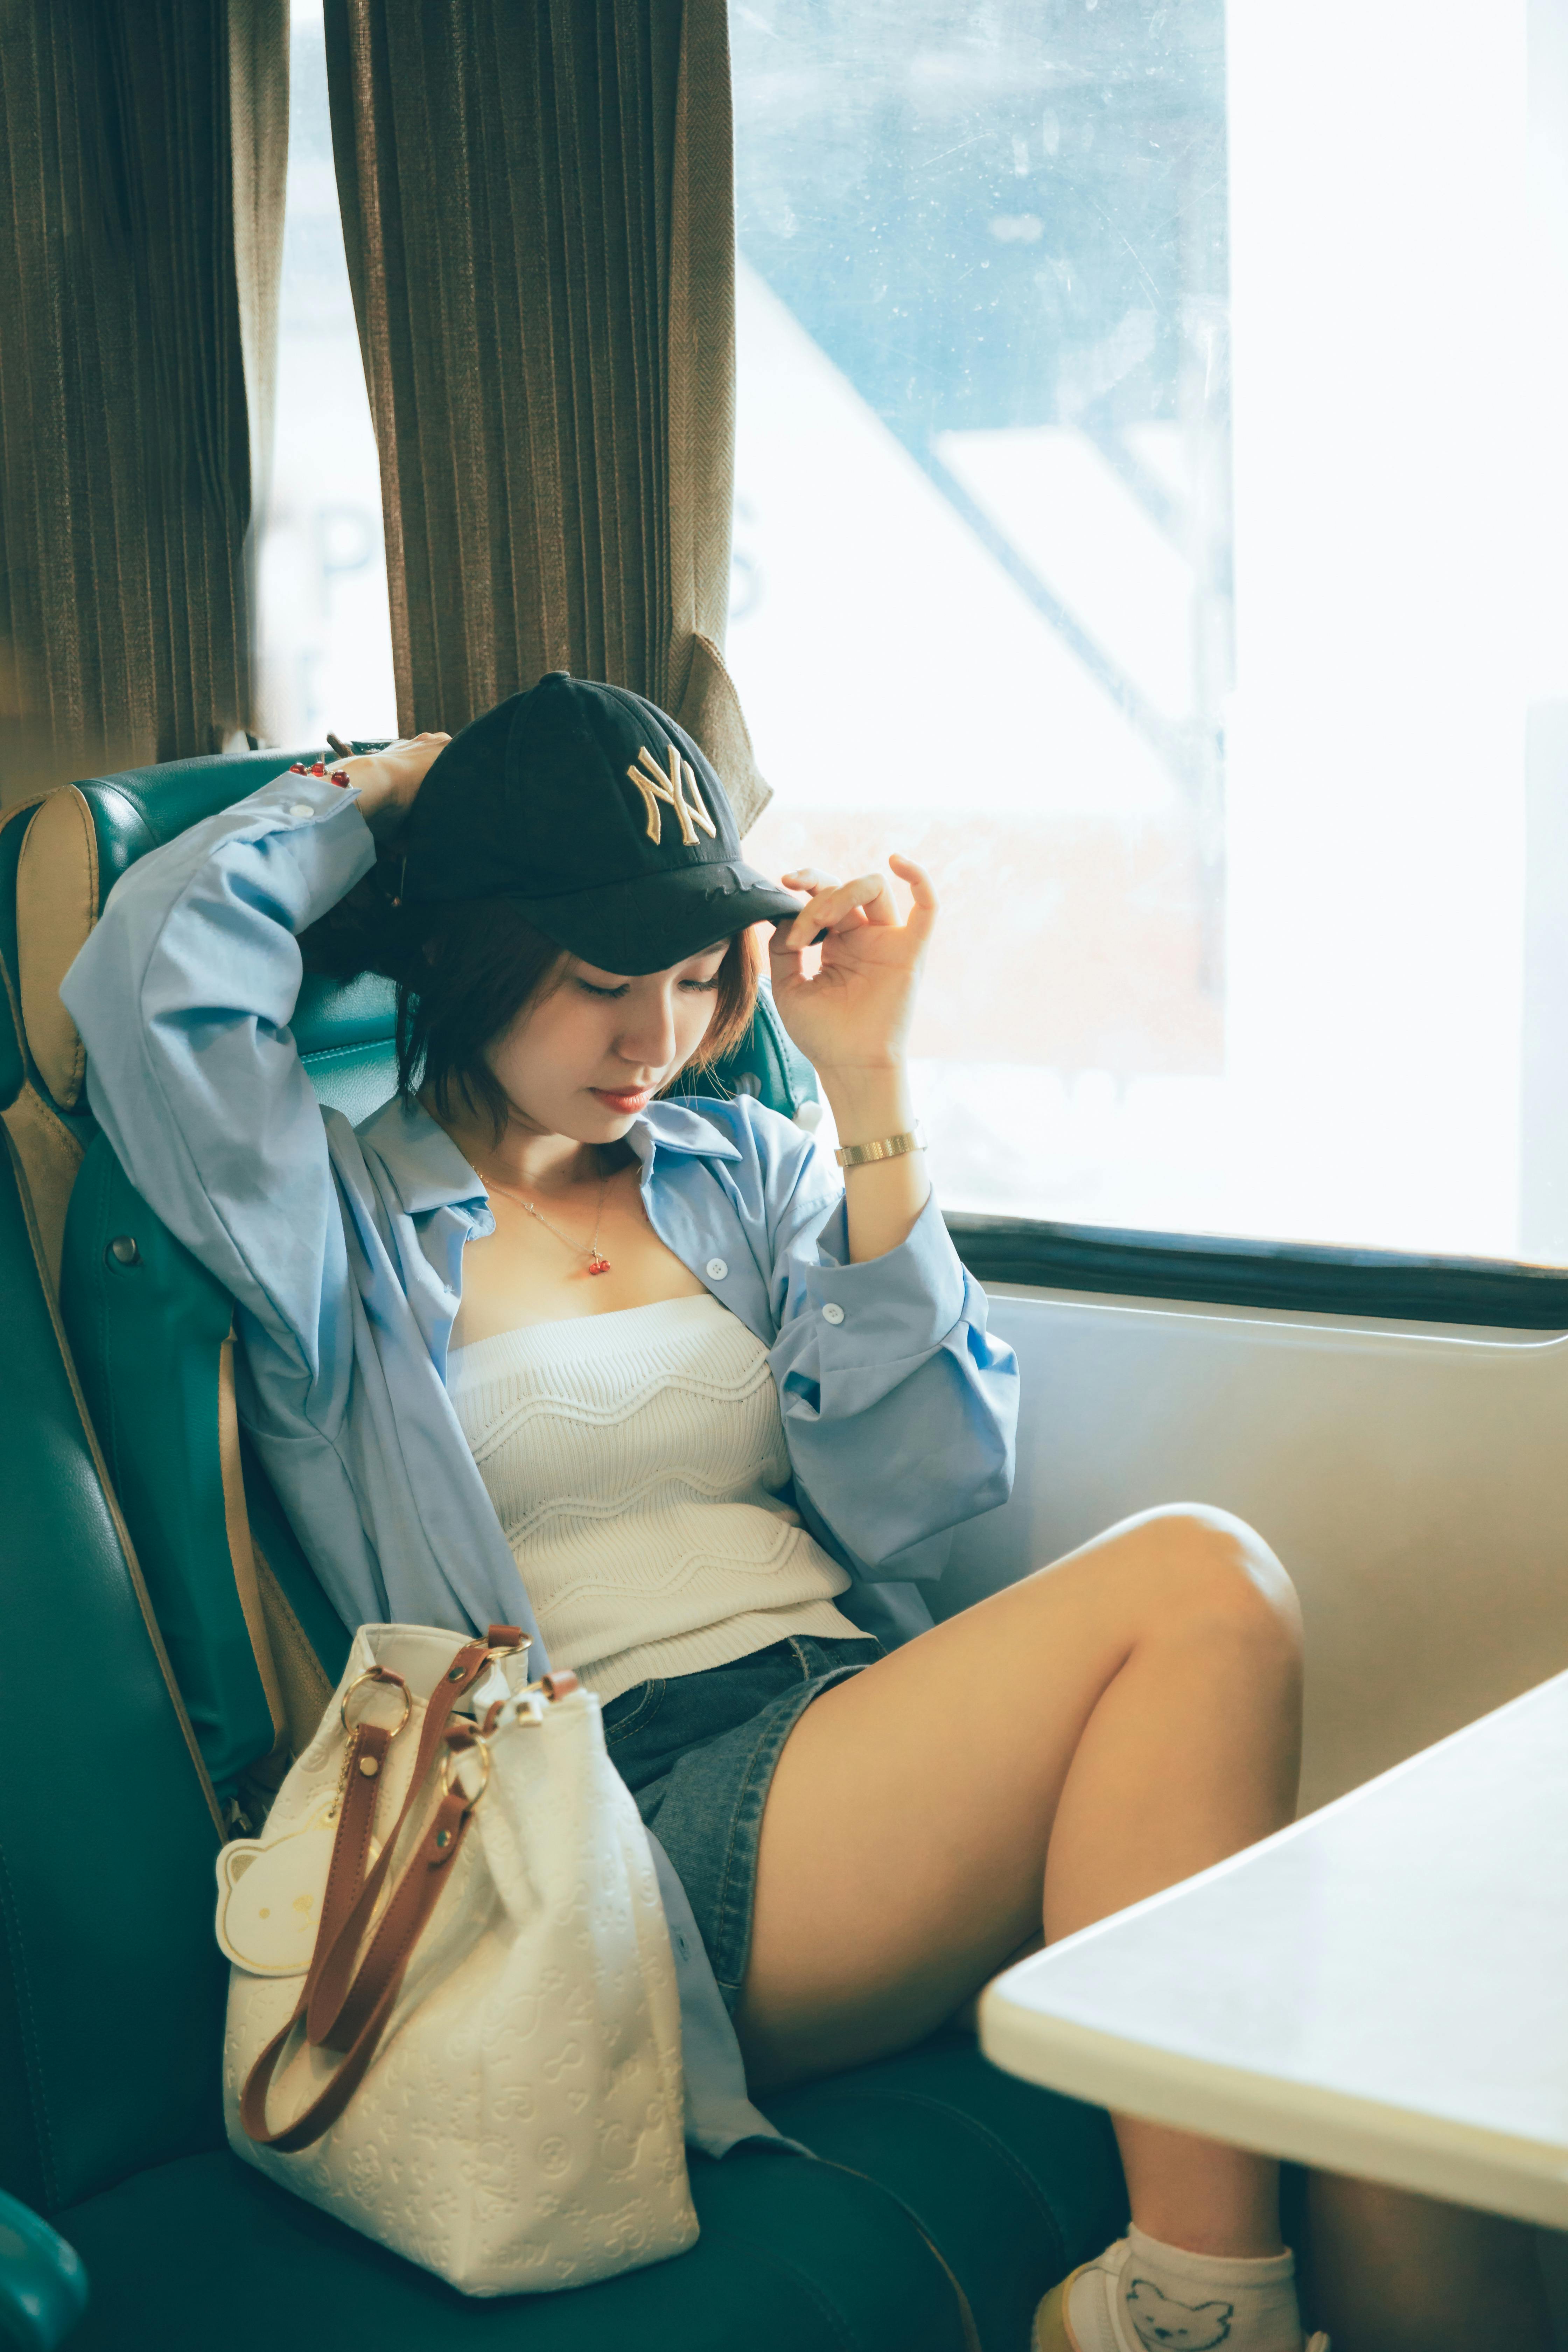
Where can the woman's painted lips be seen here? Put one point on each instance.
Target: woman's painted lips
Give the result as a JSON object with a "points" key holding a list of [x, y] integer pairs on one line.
{"points": [[636, 1100]]}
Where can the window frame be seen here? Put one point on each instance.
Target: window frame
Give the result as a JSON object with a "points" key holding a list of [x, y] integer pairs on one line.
{"points": [[1299, 1277]]}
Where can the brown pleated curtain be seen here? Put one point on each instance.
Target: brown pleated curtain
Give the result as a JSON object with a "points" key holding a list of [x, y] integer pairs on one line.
{"points": [[143, 151], [538, 208]]}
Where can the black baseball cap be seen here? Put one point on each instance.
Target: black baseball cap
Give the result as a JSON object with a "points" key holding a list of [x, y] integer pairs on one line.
{"points": [[599, 817]]}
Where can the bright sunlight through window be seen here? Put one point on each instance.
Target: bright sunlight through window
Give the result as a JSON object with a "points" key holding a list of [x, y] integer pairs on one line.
{"points": [[1150, 514], [326, 634], [1150, 498]]}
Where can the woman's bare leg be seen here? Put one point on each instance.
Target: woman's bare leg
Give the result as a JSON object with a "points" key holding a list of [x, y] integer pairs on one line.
{"points": [[1084, 1738]]}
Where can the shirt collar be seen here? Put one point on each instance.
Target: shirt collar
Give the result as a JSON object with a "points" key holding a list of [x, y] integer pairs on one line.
{"points": [[426, 1168], [428, 1171], [676, 1127]]}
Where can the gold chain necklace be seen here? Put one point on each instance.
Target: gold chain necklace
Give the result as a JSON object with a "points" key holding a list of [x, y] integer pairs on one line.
{"points": [[596, 1264]]}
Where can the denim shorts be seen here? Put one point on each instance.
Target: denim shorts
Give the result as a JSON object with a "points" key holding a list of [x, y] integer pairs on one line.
{"points": [[697, 1752]]}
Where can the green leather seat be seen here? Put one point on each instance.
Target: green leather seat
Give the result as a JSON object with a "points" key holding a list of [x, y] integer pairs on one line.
{"points": [[129, 1651]]}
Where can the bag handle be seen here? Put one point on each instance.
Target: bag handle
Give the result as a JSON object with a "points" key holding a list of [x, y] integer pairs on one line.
{"points": [[358, 1788], [350, 1895], [351, 1890], [380, 1981]]}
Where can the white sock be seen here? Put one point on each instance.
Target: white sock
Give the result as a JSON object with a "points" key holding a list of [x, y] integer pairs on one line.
{"points": [[1142, 2297]]}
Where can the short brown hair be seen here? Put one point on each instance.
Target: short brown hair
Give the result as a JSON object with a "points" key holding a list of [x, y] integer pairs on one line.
{"points": [[463, 971]]}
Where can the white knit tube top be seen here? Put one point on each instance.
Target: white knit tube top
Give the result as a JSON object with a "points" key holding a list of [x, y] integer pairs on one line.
{"points": [[634, 1461]]}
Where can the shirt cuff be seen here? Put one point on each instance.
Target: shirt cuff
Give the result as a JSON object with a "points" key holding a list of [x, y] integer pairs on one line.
{"points": [[333, 845], [902, 1304], [290, 800]]}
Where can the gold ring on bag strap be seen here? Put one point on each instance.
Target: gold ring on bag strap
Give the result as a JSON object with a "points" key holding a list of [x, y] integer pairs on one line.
{"points": [[385, 1676], [456, 1752], [518, 1649]]}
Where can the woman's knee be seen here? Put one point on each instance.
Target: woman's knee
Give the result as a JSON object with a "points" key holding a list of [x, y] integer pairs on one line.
{"points": [[1207, 1565]]}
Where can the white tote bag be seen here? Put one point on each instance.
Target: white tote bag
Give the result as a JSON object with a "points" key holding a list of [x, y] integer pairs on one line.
{"points": [[453, 2020]]}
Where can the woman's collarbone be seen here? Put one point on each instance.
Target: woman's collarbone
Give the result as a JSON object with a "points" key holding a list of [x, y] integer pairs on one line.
{"points": [[515, 1279]]}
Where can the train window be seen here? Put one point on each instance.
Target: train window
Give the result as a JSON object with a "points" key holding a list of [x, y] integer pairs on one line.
{"points": [[1150, 498], [325, 633]]}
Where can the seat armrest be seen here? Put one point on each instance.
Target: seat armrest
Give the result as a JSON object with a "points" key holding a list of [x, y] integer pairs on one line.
{"points": [[43, 2283]]}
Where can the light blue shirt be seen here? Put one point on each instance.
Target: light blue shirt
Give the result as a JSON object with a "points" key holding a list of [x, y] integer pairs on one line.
{"points": [[342, 1248]]}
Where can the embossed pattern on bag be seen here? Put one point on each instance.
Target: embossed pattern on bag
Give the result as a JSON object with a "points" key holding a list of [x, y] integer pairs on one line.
{"points": [[453, 2020]]}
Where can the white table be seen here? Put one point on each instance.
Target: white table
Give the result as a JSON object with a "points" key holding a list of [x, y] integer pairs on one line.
{"points": [[1382, 1988]]}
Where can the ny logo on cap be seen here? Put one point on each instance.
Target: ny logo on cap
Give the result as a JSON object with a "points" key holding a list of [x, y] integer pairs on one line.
{"points": [[672, 790]]}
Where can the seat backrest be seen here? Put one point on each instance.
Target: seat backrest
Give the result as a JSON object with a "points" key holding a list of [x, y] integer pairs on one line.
{"points": [[255, 1644], [111, 1987]]}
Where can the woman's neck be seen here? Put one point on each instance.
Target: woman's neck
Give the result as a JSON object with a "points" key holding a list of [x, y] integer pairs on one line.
{"points": [[523, 1160]]}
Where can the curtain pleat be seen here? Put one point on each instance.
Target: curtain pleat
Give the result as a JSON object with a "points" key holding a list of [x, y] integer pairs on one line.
{"points": [[539, 213], [142, 159]]}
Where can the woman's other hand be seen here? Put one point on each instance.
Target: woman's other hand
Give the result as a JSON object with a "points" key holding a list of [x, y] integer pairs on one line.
{"points": [[851, 1017], [389, 781]]}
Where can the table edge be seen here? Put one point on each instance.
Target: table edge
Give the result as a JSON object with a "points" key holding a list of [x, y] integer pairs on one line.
{"points": [[1306, 2123]]}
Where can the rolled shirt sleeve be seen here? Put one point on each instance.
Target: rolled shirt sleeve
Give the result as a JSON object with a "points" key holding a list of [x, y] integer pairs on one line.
{"points": [[899, 1410], [182, 994]]}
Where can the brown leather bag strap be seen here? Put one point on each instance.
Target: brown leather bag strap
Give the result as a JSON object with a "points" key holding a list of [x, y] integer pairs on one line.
{"points": [[357, 1793], [332, 1965], [381, 1979], [363, 1995], [363, 1767]]}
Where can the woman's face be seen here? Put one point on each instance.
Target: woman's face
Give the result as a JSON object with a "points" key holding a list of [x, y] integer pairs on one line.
{"points": [[586, 1058]]}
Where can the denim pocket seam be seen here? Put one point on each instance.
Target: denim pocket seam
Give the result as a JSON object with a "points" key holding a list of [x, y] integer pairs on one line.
{"points": [[653, 1693]]}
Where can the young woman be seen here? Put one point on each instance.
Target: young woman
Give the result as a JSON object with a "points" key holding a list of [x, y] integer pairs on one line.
{"points": [[532, 1345]]}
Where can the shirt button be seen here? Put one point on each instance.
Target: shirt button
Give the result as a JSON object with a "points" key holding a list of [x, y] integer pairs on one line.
{"points": [[716, 1269], [300, 808], [831, 1314]]}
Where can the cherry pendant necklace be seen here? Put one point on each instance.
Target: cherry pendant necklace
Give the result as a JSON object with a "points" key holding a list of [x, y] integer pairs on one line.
{"points": [[597, 1263]]}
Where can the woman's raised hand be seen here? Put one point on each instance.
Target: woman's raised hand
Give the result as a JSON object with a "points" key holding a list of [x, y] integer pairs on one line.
{"points": [[852, 1016], [389, 781]]}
